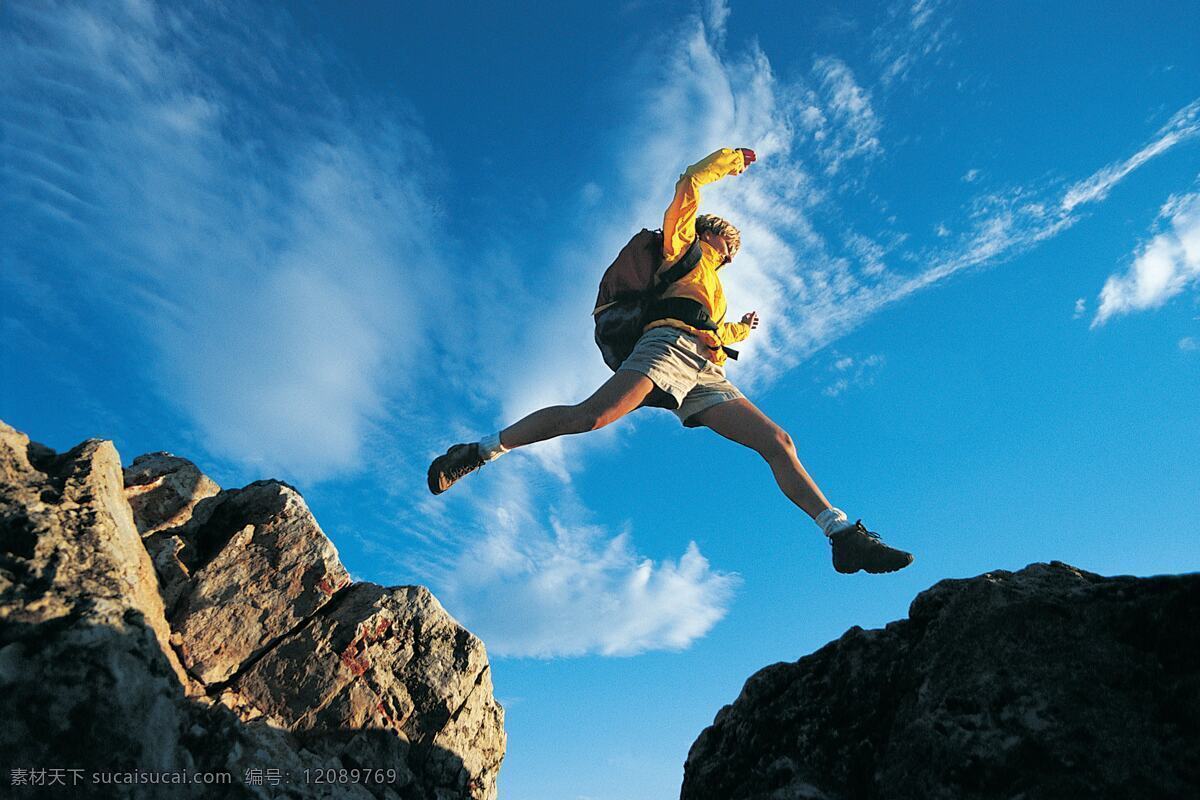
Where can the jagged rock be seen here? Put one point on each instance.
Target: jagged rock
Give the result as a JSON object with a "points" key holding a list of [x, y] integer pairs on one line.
{"points": [[389, 659], [1050, 682], [83, 639], [70, 548], [163, 490], [259, 565], [166, 493], [89, 677]]}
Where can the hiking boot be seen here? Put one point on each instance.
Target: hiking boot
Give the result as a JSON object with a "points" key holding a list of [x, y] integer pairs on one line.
{"points": [[858, 548], [459, 460]]}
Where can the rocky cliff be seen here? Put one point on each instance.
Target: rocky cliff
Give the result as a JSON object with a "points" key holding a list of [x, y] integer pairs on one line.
{"points": [[153, 625], [1049, 683]]}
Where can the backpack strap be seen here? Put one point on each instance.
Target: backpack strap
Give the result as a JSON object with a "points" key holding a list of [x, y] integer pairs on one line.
{"points": [[681, 267], [683, 309]]}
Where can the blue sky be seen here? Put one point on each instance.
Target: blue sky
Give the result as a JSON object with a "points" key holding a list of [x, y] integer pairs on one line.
{"points": [[322, 242]]}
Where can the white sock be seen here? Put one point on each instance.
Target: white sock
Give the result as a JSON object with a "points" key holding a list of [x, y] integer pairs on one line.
{"points": [[490, 448], [833, 520]]}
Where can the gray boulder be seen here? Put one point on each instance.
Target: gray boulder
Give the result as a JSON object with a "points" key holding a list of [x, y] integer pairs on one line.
{"points": [[1049, 682]]}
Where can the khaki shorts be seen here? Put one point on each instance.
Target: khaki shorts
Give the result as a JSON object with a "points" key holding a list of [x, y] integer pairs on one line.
{"points": [[677, 363]]}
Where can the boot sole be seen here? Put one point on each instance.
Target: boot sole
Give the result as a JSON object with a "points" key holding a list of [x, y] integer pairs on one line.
{"points": [[433, 482], [868, 570], [433, 477]]}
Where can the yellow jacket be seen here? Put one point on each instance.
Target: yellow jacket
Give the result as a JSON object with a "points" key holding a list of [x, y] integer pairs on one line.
{"points": [[679, 231]]}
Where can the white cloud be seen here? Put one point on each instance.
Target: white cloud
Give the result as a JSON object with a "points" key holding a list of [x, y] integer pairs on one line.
{"points": [[716, 18], [837, 387], [868, 252], [255, 250], [1080, 308], [571, 589], [1182, 125], [850, 372], [912, 33], [844, 124], [1188, 344], [1004, 225], [971, 176], [1162, 268]]}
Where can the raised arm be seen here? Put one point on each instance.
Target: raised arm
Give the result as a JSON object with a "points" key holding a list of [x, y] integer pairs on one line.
{"points": [[679, 223]]}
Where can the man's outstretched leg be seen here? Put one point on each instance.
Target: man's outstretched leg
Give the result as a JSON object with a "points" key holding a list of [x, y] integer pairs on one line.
{"points": [[854, 547], [620, 394]]}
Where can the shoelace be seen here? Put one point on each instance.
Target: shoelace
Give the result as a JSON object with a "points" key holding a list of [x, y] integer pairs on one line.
{"points": [[863, 529], [860, 528]]}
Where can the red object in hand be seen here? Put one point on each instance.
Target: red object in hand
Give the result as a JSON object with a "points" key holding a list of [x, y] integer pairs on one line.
{"points": [[748, 156]]}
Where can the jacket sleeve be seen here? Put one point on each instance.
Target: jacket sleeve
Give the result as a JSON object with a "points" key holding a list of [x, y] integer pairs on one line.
{"points": [[679, 223], [733, 332]]}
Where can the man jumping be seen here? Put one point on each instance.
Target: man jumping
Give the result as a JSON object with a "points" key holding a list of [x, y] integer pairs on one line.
{"points": [[678, 363]]}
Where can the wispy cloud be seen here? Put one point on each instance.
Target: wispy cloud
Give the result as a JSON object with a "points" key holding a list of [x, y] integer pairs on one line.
{"points": [[247, 231], [912, 33], [539, 584], [1182, 125], [716, 17], [869, 253], [1003, 225], [1162, 268], [840, 117], [847, 372]]}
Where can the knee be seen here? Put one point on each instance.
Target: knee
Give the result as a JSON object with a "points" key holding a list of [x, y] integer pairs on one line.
{"points": [[780, 445]]}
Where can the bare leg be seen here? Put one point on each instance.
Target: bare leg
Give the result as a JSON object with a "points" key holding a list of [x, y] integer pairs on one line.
{"points": [[741, 421], [620, 394]]}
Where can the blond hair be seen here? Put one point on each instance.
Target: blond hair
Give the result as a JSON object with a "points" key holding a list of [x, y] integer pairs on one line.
{"points": [[721, 227]]}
